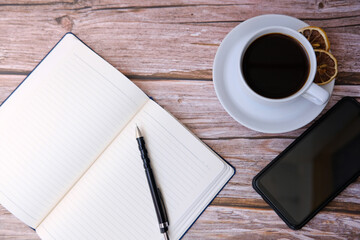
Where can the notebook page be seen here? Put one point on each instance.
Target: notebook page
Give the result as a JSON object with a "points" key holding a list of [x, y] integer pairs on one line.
{"points": [[113, 201], [57, 123]]}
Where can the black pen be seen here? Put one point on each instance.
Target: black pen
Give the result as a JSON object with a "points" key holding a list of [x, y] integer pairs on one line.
{"points": [[155, 191]]}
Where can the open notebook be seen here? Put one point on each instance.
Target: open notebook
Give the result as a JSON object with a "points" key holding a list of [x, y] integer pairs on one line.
{"points": [[69, 161]]}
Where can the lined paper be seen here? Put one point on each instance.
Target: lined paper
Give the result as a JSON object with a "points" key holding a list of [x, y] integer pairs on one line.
{"points": [[56, 124], [113, 201]]}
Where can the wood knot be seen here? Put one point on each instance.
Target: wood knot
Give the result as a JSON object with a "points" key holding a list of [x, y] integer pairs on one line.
{"points": [[66, 22], [321, 5]]}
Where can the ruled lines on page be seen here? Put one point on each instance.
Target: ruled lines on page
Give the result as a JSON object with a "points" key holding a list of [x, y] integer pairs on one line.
{"points": [[57, 125], [112, 200]]}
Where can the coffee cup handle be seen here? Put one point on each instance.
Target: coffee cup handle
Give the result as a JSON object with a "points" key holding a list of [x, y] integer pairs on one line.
{"points": [[316, 94]]}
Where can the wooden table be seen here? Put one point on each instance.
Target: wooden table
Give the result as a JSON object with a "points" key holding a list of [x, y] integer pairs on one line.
{"points": [[167, 49]]}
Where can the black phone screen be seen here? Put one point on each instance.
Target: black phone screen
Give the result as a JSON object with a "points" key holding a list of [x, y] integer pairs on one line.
{"points": [[315, 167]]}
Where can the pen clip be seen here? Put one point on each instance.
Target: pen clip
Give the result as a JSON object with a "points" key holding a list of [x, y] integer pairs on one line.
{"points": [[163, 207]]}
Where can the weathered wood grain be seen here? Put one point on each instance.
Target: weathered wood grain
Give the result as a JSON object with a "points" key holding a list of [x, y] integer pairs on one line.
{"points": [[11, 228], [323, 9], [238, 223], [161, 40]]}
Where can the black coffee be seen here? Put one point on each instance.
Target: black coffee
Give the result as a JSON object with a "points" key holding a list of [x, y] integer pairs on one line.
{"points": [[275, 66]]}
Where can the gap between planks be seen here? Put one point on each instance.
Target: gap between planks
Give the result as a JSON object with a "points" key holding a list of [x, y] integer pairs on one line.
{"points": [[343, 78]]}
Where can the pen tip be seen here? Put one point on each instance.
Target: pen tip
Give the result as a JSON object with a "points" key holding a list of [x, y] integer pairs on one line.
{"points": [[137, 132]]}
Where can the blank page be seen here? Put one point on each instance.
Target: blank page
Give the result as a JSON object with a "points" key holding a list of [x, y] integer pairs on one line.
{"points": [[112, 200], [57, 123]]}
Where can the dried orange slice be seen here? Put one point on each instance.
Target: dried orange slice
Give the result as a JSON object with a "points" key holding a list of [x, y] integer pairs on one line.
{"points": [[316, 36], [326, 67]]}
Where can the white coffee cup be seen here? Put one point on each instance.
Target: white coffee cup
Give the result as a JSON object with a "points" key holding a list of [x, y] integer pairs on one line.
{"points": [[309, 90]]}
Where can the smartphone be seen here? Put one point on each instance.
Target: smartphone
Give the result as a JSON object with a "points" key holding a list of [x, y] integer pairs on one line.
{"points": [[316, 167]]}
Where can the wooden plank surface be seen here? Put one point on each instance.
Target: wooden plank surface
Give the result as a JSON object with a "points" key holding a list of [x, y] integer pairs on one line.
{"points": [[161, 40], [167, 49]]}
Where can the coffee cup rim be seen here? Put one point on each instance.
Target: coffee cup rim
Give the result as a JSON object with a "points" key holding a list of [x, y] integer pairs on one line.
{"points": [[308, 50]]}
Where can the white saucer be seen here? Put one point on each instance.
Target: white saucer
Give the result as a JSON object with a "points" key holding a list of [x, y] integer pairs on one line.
{"points": [[274, 118]]}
